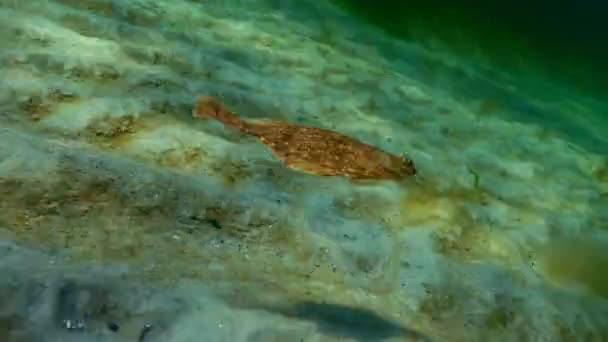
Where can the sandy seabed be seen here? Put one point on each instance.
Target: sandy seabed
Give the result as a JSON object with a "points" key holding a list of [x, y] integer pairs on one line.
{"points": [[124, 219]]}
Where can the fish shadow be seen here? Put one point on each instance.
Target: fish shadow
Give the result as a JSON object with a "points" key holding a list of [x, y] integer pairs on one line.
{"points": [[359, 324]]}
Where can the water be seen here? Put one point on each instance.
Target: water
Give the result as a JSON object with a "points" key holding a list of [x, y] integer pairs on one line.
{"points": [[123, 218]]}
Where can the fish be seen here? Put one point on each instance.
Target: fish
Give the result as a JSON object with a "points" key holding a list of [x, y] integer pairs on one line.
{"points": [[312, 150]]}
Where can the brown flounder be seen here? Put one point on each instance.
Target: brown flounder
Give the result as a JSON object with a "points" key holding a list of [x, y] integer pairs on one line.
{"points": [[313, 150]]}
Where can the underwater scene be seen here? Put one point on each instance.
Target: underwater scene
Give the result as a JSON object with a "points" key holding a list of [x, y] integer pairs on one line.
{"points": [[298, 170]]}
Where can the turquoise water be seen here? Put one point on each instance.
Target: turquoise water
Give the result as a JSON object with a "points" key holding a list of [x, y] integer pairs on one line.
{"points": [[123, 218]]}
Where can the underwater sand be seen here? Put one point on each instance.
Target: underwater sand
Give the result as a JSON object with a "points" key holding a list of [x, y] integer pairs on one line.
{"points": [[109, 184]]}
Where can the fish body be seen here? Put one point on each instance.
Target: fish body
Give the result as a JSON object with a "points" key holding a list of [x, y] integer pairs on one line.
{"points": [[313, 150]]}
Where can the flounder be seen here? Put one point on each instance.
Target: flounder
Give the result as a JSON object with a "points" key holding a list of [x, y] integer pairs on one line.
{"points": [[312, 150]]}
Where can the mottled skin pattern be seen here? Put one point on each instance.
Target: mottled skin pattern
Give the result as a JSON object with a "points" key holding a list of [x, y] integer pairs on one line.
{"points": [[313, 150]]}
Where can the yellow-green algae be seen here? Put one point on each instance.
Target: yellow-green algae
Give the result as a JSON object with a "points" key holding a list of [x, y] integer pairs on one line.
{"points": [[577, 263]]}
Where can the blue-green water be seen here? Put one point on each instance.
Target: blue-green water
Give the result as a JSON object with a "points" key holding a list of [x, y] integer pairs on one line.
{"points": [[562, 40], [124, 218]]}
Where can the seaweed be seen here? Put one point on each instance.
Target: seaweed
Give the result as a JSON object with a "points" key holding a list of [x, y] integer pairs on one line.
{"points": [[475, 178]]}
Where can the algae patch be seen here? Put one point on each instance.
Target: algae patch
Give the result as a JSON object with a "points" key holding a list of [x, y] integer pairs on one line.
{"points": [[577, 263], [600, 173]]}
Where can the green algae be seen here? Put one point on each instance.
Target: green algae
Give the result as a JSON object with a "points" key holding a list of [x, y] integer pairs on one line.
{"points": [[475, 178], [601, 173], [577, 263]]}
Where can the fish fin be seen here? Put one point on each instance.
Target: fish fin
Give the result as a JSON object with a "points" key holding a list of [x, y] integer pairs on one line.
{"points": [[310, 168], [210, 107]]}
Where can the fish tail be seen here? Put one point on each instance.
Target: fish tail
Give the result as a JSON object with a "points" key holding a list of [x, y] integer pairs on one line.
{"points": [[209, 107]]}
